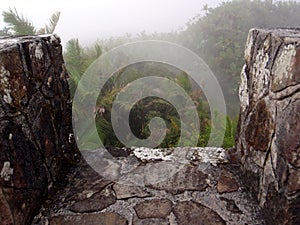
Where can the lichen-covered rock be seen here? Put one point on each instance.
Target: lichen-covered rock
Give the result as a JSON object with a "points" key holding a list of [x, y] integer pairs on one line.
{"points": [[36, 137], [268, 136]]}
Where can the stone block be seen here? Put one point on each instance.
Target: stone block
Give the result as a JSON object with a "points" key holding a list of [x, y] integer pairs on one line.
{"points": [[268, 136], [36, 135]]}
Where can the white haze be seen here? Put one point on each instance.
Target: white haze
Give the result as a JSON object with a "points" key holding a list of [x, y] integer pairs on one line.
{"points": [[89, 20]]}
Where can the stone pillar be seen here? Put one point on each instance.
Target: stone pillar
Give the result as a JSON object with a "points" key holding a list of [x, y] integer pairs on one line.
{"points": [[36, 137], [268, 136]]}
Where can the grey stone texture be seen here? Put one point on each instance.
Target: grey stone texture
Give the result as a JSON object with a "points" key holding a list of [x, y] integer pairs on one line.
{"points": [[268, 136], [140, 203]]}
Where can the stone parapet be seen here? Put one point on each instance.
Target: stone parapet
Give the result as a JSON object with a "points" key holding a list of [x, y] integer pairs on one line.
{"points": [[36, 136], [268, 136]]}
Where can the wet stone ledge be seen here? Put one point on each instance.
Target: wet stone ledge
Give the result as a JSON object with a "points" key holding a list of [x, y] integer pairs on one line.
{"points": [[269, 128], [206, 190], [36, 140]]}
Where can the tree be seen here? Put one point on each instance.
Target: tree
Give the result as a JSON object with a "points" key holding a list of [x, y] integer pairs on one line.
{"points": [[19, 25], [53, 21], [220, 35]]}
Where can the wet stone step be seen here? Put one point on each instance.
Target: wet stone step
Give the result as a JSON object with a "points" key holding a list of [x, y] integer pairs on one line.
{"points": [[209, 192]]}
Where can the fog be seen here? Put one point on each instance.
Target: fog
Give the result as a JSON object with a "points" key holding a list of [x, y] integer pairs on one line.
{"points": [[89, 20]]}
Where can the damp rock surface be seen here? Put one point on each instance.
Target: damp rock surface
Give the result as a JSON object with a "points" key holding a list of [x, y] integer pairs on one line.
{"points": [[188, 196], [101, 218], [35, 124], [268, 138], [192, 213]]}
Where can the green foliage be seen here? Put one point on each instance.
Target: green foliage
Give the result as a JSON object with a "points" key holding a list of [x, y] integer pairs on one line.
{"points": [[19, 25], [75, 63], [144, 110], [148, 108], [229, 137], [220, 35], [53, 21]]}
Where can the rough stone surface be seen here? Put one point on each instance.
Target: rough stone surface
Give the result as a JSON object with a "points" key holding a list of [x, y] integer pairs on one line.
{"points": [[146, 204], [102, 218], [188, 178], [227, 183], [156, 208], [36, 139], [151, 222], [231, 205], [268, 136], [94, 201], [192, 213], [125, 191]]}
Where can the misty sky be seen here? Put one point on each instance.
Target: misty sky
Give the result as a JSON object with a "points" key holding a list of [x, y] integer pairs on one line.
{"points": [[92, 19]]}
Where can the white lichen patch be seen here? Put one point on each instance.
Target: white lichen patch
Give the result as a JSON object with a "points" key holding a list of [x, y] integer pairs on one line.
{"points": [[7, 98], [4, 80], [49, 81], [6, 171], [243, 90], [148, 154], [211, 155], [249, 46], [260, 72], [71, 136], [39, 51], [283, 64], [89, 193], [107, 192], [54, 38], [4, 74]]}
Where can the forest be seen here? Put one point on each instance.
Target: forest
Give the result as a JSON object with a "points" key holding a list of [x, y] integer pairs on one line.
{"points": [[218, 35]]}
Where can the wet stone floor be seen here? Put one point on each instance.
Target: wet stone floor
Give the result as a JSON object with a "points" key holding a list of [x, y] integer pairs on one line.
{"points": [[180, 186]]}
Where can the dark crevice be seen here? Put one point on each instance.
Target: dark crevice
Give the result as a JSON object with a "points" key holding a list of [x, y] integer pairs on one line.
{"points": [[290, 93]]}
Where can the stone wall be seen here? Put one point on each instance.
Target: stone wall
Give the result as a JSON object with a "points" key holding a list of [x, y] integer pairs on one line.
{"points": [[36, 139], [37, 143], [268, 135]]}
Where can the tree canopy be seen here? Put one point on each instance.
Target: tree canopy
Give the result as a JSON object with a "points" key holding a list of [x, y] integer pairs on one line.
{"points": [[220, 35]]}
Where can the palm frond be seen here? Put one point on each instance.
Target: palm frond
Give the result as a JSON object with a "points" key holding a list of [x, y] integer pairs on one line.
{"points": [[49, 29], [18, 23]]}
